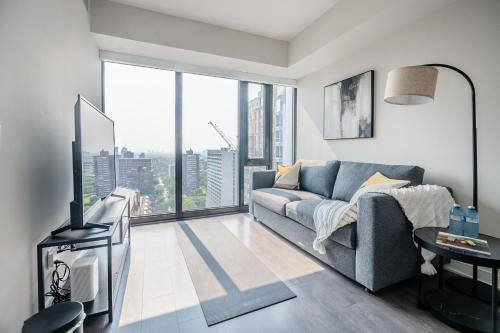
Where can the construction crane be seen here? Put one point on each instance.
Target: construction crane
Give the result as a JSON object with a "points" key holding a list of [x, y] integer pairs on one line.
{"points": [[223, 135]]}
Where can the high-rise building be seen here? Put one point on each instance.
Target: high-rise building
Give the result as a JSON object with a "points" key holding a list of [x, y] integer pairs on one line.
{"points": [[136, 173], [104, 171], [256, 126], [190, 172], [171, 171], [282, 126], [126, 153], [222, 178], [88, 167]]}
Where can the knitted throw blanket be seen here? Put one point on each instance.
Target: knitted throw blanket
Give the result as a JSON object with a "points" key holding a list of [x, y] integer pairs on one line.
{"points": [[423, 205], [330, 215]]}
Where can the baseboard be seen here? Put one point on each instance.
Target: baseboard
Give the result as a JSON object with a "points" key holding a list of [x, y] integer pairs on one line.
{"points": [[463, 269]]}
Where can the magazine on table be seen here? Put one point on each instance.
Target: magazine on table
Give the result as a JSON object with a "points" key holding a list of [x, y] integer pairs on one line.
{"points": [[463, 243]]}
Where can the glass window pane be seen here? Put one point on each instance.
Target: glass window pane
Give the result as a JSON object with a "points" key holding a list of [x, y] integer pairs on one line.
{"points": [[255, 121], [209, 138], [282, 144], [141, 101], [248, 170]]}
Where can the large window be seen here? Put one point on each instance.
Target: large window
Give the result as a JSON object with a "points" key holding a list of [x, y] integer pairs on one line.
{"points": [[141, 101], [209, 139], [189, 143]]}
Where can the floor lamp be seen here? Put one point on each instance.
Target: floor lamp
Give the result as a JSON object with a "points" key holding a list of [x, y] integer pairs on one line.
{"points": [[413, 85]]}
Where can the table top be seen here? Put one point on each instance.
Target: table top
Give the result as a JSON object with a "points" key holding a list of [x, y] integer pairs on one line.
{"points": [[58, 318], [426, 237]]}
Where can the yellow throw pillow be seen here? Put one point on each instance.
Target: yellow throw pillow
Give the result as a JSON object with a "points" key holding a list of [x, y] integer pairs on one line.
{"points": [[378, 178], [290, 179], [282, 169], [376, 183]]}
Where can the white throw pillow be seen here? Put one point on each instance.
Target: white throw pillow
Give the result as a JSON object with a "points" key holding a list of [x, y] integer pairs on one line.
{"points": [[395, 183], [289, 180]]}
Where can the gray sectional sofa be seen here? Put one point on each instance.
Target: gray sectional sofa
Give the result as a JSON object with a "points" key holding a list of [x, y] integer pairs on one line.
{"points": [[376, 251]]}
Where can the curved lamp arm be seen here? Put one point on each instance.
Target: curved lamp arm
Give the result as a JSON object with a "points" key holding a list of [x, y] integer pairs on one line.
{"points": [[474, 130], [414, 85]]}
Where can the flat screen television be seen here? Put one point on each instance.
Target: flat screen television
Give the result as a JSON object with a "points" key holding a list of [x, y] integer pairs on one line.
{"points": [[94, 176], [93, 163]]}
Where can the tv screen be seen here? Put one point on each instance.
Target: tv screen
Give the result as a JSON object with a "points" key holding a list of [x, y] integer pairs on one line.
{"points": [[97, 142]]}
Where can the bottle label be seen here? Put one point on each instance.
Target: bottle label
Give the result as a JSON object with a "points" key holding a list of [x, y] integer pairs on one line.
{"points": [[471, 220], [456, 218]]}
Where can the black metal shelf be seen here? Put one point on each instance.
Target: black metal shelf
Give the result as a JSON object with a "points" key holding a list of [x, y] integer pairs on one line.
{"points": [[466, 286], [114, 244], [464, 313]]}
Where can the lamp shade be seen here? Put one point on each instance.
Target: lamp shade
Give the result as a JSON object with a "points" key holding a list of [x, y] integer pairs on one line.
{"points": [[411, 85]]}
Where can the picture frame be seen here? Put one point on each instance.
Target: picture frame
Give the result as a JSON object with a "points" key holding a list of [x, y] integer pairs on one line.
{"points": [[348, 108]]}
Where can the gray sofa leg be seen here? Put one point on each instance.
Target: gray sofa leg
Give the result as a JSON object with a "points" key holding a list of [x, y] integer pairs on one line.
{"points": [[369, 291]]}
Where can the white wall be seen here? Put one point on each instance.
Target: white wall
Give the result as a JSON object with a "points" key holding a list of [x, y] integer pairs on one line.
{"points": [[47, 58], [355, 22], [435, 136], [132, 23]]}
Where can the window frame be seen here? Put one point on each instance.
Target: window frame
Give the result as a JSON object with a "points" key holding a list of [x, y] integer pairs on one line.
{"points": [[243, 159], [268, 100]]}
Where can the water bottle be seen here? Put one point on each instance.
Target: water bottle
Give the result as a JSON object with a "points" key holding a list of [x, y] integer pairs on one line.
{"points": [[457, 219], [471, 225]]}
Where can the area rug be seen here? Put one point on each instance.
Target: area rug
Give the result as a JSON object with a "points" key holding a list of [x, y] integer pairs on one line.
{"points": [[229, 280]]}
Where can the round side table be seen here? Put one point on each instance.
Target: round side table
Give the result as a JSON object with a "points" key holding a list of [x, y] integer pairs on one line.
{"points": [[467, 305]]}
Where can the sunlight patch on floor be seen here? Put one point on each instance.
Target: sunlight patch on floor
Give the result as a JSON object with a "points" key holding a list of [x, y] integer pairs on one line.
{"points": [[272, 250]]}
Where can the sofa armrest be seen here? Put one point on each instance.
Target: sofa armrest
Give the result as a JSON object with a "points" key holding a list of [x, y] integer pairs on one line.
{"points": [[386, 253], [262, 179]]}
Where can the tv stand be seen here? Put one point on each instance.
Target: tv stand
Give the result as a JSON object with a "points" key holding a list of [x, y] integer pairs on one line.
{"points": [[111, 246]]}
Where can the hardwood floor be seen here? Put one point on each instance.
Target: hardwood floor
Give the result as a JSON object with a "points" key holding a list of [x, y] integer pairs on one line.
{"points": [[159, 296]]}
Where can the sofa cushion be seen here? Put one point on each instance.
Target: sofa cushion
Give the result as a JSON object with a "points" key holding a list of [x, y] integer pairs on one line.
{"points": [[303, 211], [275, 199], [319, 179], [352, 175]]}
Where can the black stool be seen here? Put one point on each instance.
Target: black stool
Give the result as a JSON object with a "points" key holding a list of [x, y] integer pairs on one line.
{"points": [[60, 318]]}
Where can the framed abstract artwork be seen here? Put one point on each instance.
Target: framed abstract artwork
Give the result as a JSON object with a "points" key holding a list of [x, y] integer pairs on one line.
{"points": [[348, 108]]}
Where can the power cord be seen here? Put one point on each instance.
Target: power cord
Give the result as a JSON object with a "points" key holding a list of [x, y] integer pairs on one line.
{"points": [[60, 276]]}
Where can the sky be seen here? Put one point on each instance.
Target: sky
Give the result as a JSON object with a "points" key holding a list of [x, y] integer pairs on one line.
{"points": [[141, 101]]}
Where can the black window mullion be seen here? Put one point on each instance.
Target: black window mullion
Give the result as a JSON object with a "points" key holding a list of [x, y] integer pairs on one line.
{"points": [[268, 123], [178, 144], [294, 134], [243, 137]]}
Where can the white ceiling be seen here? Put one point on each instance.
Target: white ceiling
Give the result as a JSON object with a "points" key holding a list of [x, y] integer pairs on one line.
{"points": [[279, 19]]}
